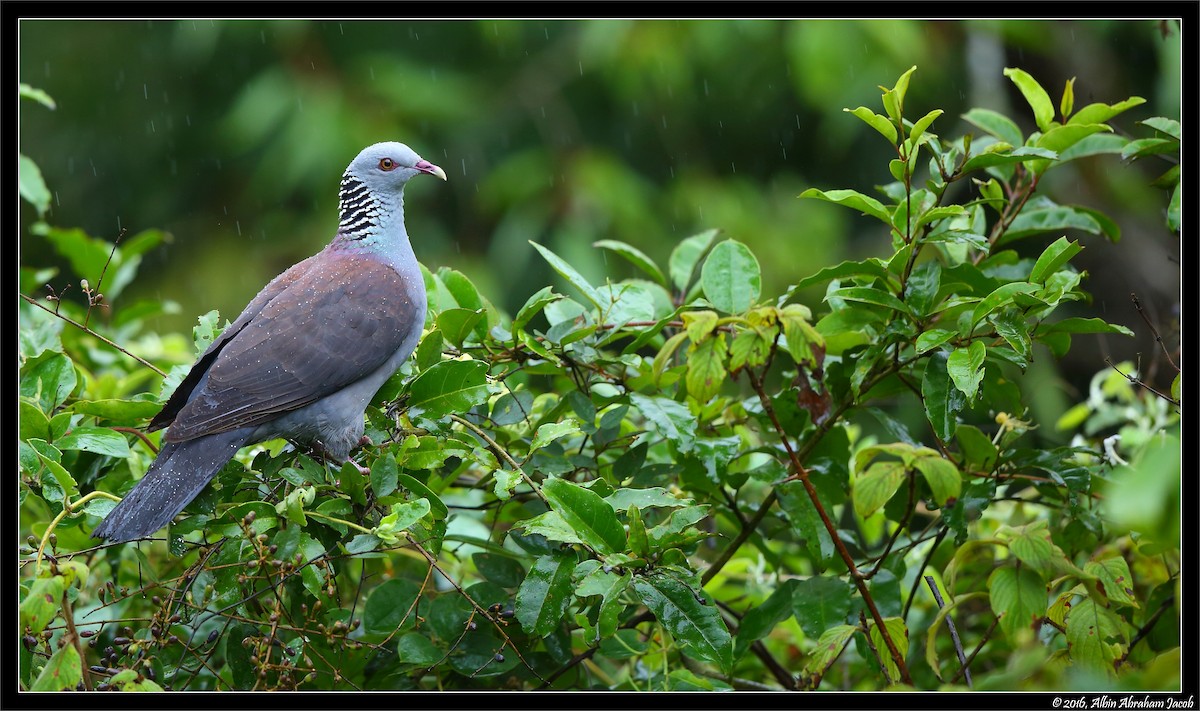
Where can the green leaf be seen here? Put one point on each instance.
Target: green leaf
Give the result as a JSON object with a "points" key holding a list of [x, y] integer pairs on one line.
{"points": [[943, 477], [685, 257], [821, 602], [1143, 147], [29, 92], [64, 671], [759, 620], [1061, 138], [829, 646], [1039, 100], [706, 367], [691, 620], [901, 88], [1114, 575], [898, 631], [119, 411], [1049, 218], [1067, 104], [458, 324], [699, 324], [32, 186], [49, 379], [870, 267], [1032, 546], [384, 475], [933, 338], [551, 525], [996, 124], [800, 336], [534, 305], [415, 648], [965, 367], [943, 401], [40, 606], [391, 606], [551, 431], [940, 213], [545, 594], [731, 277], [609, 586], [993, 158], [873, 488], [869, 295], [979, 452], [1056, 255], [853, 200], [672, 420], [652, 497], [1165, 125], [573, 277], [1175, 208], [877, 122], [1096, 637], [922, 125], [1077, 324], [449, 386], [1099, 113], [499, 569], [636, 256], [1094, 145], [99, 440], [403, 515], [1018, 598], [589, 516], [1001, 296], [1013, 329]]}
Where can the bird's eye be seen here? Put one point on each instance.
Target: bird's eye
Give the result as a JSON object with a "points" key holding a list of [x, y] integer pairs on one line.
{"points": [[387, 164]]}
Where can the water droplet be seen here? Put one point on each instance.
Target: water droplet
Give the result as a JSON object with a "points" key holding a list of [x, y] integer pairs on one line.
{"points": [[146, 92]]}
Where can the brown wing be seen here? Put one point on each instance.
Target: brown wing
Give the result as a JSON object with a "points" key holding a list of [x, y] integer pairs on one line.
{"points": [[183, 392], [333, 324]]}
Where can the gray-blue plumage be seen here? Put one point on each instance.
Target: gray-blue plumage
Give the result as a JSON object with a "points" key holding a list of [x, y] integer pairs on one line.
{"points": [[306, 355]]}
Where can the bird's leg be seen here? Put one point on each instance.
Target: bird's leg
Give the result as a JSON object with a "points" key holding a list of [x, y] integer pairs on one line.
{"points": [[317, 450]]}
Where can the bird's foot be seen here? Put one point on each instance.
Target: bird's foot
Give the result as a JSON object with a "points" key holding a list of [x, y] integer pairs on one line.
{"points": [[361, 469]]}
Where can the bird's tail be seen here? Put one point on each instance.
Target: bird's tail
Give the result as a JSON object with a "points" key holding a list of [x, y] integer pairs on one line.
{"points": [[177, 476]]}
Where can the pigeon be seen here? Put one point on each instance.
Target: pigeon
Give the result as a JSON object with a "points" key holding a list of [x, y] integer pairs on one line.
{"points": [[304, 358]]}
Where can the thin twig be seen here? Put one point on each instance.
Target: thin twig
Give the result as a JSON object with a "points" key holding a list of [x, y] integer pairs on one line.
{"points": [[495, 623], [73, 638], [502, 453], [801, 473], [85, 329], [1146, 628], [1138, 305], [962, 660], [982, 641], [912, 594], [1138, 381]]}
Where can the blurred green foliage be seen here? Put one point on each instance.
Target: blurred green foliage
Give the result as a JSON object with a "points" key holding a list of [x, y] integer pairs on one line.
{"points": [[231, 135]]}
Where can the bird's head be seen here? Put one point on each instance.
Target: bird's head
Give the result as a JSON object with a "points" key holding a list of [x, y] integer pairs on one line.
{"points": [[386, 167]]}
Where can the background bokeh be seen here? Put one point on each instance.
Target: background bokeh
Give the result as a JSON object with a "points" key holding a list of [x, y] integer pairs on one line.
{"points": [[232, 136]]}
